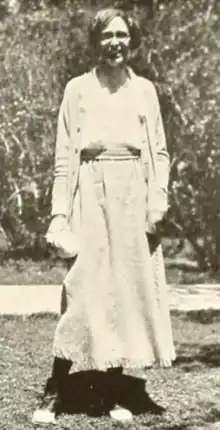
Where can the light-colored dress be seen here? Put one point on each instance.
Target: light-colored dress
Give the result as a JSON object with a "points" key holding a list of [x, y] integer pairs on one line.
{"points": [[116, 309]]}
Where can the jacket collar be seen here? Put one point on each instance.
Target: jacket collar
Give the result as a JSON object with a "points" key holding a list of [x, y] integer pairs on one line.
{"points": [[131, 74]]}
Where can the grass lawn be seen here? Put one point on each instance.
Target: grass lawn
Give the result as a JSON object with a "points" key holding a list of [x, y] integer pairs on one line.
{"points": [[190, 390], [17, 268], [27, 271]]}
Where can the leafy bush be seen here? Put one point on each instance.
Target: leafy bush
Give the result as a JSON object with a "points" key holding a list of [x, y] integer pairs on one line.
{"points": [[45, 44]]}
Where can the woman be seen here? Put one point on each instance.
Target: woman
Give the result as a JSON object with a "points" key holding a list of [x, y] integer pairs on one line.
{"points": [[111, 178]]}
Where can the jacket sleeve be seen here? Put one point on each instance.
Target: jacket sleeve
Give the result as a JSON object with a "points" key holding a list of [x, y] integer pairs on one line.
{"points": [[162, 160], [60, 185]]}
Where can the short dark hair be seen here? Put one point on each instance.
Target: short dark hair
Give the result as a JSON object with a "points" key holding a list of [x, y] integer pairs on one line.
{"points": [[102, 19]]}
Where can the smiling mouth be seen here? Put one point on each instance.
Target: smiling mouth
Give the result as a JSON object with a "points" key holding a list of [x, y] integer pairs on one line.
{"points": [[114, 54]]}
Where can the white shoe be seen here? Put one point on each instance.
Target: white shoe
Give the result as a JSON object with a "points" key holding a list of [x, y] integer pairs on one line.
{"points": [[121, 414], [43, 416]]}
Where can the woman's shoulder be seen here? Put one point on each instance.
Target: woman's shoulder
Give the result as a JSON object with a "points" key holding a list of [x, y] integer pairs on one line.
{"points": [[144, 83], [79, 81], [76, 84]]}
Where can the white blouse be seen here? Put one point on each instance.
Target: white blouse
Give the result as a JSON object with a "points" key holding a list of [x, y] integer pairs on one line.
{"points": [[111, 118]]}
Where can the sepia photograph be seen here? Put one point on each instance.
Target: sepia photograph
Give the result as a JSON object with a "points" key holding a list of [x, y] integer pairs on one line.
{"points": [[110, 214]]}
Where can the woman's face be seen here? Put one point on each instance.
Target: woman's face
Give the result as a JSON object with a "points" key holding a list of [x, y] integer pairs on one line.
{"points": [[115, 43]]}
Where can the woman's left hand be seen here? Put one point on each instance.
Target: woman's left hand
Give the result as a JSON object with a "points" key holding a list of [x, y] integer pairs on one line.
{"points": [[153, 221], [155, 217]]}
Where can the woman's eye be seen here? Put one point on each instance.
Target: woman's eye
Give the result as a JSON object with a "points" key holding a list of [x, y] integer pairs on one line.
{"points": [[106, 36], [122, 35], [119, 35]]}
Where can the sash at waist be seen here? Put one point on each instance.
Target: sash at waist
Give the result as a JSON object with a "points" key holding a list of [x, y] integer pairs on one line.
{"points": [[115, 153]]}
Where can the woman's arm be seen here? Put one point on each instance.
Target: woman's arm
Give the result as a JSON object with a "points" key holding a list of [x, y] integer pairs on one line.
{"points": [[159, 171], [60, 185], [162, 155]]}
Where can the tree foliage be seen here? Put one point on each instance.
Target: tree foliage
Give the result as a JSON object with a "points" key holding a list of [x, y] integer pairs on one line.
{"points": [[44, 43]]}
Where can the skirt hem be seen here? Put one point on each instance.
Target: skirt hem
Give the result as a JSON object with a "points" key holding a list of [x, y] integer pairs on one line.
{"points": [[123, 362]]}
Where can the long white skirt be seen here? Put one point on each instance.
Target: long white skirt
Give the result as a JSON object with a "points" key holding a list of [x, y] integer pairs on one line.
{"points": [[116, 309]]}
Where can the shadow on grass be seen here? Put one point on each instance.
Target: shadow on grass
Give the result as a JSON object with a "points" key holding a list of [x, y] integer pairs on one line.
{"points": [[201, 316], [213, 415], [208, 355], [178, 427], [95, 393]]}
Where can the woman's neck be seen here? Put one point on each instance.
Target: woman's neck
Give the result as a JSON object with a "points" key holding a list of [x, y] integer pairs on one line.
{"points": [[112, 78]]}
